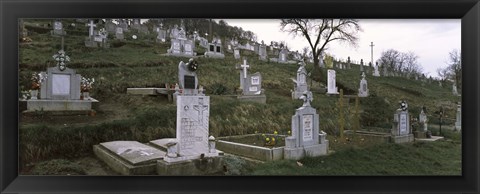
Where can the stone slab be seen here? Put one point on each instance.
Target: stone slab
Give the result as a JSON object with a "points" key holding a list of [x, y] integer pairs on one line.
{"points": [[402, 138], [433, 138], [253, 98], [120, 165], [214, 55], [250, 151], [311, 151], [142, 91], [59, 105], [420, 134], [205, 166], [161, 143]]}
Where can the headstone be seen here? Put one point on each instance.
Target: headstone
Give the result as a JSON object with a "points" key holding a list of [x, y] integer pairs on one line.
{"points": [[363, 90], [215, 49], [251, 85], [458, 121], [301, 82], [454, 89], [376, 73], [349, 63], [262, 52], [361, 65], [331, 82], [110, 26], [90, 40], [401, 131], [119, 33], [236, 53], [423, 120], [306, 139], [161, 35], [123, 24], [58, 29]]}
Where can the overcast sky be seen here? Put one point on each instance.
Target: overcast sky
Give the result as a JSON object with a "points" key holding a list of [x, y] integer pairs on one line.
{"points": [[430, 39]]}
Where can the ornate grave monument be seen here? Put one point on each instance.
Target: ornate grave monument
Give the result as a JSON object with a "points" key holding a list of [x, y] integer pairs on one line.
{"points": [[250, 85], [401, 131], [300, 83], [180, 45], [306, 139], [363, 90], [59, 89], [421, 132]]}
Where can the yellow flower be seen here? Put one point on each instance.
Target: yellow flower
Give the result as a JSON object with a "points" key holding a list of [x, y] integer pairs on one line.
{"points": [[275, 132], [263, 134], [288, 132], [267, 139], [273, 139]]}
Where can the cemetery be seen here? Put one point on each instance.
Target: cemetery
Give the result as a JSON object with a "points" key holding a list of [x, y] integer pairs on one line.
{"points": [[167, 104]]}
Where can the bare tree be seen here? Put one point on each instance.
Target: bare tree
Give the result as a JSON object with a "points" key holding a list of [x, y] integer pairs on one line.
{"points": [[320, 32]]}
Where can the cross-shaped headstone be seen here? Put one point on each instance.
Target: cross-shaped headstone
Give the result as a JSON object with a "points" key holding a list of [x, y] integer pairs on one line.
{"points": [[91, 25], [245, 66], [61, 59]]}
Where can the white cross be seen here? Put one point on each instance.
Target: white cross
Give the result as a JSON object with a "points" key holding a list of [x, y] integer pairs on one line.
{"points": [[91, 27], [245, 66]]}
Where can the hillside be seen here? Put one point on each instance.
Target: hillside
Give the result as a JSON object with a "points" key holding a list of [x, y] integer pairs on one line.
{"points": [[138, 63]]}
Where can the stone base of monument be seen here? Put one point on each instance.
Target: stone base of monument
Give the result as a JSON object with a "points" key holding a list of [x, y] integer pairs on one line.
{"points": [[402, 138], [310, 151], [433, 138], [214, 55], [58, 105], [202, 166], [253, 98], [420, 134], [129, 157]]}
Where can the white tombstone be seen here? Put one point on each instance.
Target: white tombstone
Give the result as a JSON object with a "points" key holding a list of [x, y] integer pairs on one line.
{"points": [[422, 118], [458, 121], [363, 90], [331, 88], [306, 138], [401, 131], [301, 82], [376, 73], [236, 54]]}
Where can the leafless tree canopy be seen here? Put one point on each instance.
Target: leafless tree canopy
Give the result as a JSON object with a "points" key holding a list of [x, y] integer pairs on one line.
{"points": [[453, 71], [403, 63], [320, 32]]}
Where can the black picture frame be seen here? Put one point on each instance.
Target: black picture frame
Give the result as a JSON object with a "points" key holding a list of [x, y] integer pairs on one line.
{"points": [[466, 10]]}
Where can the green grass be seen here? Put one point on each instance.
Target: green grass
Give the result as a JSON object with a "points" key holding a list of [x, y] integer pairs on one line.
{"points": [[419, 158]]}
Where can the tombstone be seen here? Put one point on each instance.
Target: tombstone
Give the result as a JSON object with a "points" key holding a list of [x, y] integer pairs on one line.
{"points": [[181, 46], [123, 24], [262, 52], [101, 38], [161, 35], [331, 88], [401, 131], [215, 49], [385, 71], [363, 90], [136, 24], [454, 89], [256, 48], [251, 85], [321, 63], [423, 121], [306, 139], [203, 42], [119, 33], [458, 120], [58, 29], [282, 56], [236, 53], [376, 73], [301, 82], [90, 40], [361, 66], [60, 89], [110, 26], [349, 63]]}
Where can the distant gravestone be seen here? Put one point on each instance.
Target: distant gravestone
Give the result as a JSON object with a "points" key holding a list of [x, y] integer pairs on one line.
{"points": [[58, 29], [458, 121], [110, 26], [90, 40], [180, 45], [251, 85], [123, 24], [454, 89], [349, 66], [301, 82], [306, 138], [376, 73], [161, 35], [401, 131], [423, 120], [262, 52], [331, 82], [282, 56], [215, 49], [236, 53], [361, 66], [363, 90], [321, 63], [119, 33]]}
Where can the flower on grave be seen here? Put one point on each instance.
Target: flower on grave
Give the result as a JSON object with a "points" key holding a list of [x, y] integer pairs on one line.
{"points": [[267, 139], [263, 134], [86, 84], [192, 65], [275, 132], [288, 132], [35, 81]]}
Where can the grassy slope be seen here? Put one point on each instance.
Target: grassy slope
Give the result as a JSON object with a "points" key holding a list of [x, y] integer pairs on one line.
{"points": [[143, 118]]}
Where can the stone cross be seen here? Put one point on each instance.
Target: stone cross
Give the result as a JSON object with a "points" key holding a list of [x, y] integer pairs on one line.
{"points": [[61, 59], [91, 25], [371, 45], [245, 66], [307, 98]]}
